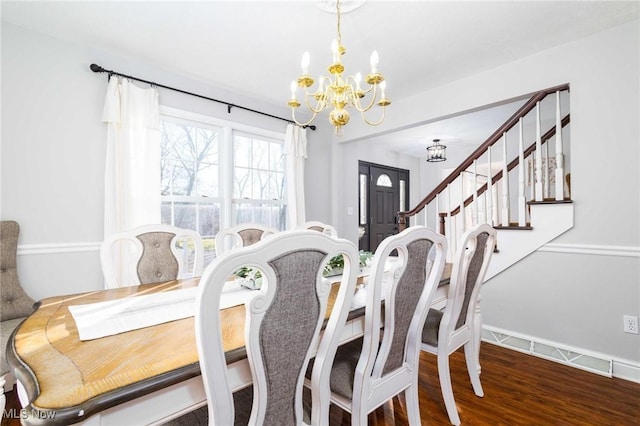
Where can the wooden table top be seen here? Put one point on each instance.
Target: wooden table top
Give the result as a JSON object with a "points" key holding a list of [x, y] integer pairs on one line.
{"points": [[61, 373]]}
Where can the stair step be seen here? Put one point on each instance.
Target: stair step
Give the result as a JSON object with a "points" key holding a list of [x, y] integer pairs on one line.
{"points": [[551, 201], [515, 227]]}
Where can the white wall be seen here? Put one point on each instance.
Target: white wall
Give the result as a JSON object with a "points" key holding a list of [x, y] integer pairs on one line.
{"points": [[569, 298], [53, 150]]}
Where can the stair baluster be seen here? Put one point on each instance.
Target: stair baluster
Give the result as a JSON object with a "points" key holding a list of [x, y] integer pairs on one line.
{"points": [[505, 182], [522, 198], [559, 153]]}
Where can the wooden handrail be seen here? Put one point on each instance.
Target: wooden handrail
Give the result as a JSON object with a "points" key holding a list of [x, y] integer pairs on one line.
{"points": [[548, 135], [508, 125]]}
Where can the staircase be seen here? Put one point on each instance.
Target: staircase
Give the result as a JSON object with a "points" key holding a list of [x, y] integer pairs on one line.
{"points": [[517, 180]]}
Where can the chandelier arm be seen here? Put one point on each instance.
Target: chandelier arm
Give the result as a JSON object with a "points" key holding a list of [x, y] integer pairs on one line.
{"points": [[376, 123], [293, 115], [362, 109], [319, 106]]}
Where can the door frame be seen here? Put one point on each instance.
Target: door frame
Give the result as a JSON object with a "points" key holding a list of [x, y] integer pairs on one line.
{"points": [[364, 205]]}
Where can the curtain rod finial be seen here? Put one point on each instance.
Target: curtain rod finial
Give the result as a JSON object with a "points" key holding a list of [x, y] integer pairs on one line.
{"points": [[96, 68]]}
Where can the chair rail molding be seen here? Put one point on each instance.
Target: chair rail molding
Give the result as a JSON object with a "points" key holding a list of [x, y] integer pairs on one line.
{"points": [[55, 248], [592, 249]]}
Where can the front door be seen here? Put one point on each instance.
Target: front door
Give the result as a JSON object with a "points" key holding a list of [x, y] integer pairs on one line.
{"points": [[386, 194]]}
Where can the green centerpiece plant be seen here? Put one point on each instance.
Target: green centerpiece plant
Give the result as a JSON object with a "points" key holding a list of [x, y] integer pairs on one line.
{"points": [[335, 266]]}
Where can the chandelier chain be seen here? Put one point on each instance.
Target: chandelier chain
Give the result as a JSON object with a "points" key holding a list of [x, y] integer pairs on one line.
{"points": [[339, 33]]}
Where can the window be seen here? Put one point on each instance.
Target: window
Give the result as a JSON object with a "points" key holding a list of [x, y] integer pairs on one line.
{"points": [[384, 180], [216, 174], [258, 181]]}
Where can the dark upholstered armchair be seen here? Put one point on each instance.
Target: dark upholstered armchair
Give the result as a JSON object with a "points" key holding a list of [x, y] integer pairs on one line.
{"points": [[16, 304]]}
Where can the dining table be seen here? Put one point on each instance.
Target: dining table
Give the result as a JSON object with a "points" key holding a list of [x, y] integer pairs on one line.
{"points": [[148, 375]]}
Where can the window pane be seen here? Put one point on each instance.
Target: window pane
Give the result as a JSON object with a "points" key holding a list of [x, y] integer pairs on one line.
{"points": [[208, 219], [277, 157], [207, 181], [384, 180], [184, 215], [241, 183], [261, 185], [260, 155], [242, 151], [402, 195], [272, 215], [263, 178], [363, 199]]}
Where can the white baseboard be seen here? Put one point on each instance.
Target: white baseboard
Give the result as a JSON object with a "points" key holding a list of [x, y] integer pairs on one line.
{"points": [[583, 359], [627, 370]]}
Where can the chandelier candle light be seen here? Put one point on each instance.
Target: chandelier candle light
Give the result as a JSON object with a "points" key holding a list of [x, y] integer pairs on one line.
{"points": [[340, 93]]}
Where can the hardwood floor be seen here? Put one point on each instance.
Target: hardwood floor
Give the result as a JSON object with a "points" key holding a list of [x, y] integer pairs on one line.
{"points": [[519, 390]]}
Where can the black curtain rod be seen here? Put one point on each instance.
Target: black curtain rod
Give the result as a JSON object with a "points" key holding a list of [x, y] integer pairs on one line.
{"points": [[98, 68]]}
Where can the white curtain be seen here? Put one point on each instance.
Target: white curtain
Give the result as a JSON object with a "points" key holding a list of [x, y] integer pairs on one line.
{"points": [[132, 173], [295, 145]]}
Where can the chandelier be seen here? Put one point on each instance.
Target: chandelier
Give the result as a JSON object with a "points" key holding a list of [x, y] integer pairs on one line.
{"points": [[337, 92], [436, 152]]}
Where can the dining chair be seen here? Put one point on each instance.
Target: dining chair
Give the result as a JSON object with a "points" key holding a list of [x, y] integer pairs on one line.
{"points": [[242, 235], [459, 322], [373, 369], [320, 227], [151, 254], [16, 303], [282, 329]]}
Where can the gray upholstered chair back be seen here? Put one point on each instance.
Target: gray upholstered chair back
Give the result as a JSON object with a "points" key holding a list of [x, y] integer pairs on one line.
{"points": [[472, 279], [150, 254], [157, 262], [242, 235], [15, 302], [284, 320], [407, 287], [468, 270], [320, 227]]}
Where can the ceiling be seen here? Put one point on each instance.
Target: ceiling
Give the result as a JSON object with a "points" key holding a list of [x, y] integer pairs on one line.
{"points": [[254, 47]]}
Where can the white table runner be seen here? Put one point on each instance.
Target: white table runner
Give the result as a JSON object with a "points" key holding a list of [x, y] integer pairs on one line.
{"points": [[95, 320]]}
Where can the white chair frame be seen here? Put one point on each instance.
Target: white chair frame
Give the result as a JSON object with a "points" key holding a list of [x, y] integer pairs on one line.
{"points": [[223, 245], [108, 251], [451, 339], [371, 387], [217, 384]]}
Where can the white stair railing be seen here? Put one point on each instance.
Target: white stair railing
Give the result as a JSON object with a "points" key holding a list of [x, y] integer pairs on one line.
{"points": [[479, 198]]}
